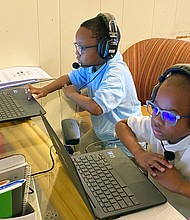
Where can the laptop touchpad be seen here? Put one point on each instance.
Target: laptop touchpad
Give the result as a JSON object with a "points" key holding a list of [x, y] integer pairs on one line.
{"points": [[129, 173]]}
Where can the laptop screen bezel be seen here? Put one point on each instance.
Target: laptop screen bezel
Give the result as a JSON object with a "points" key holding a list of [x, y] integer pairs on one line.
{"points": [[67, 163]]}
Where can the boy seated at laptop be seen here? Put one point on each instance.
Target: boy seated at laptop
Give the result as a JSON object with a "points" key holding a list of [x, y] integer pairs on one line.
{"points": [[103, 75], [166, 131]]}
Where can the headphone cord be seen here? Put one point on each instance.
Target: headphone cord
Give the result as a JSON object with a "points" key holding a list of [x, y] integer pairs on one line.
{"points": [[93, 77], [89, 82]]}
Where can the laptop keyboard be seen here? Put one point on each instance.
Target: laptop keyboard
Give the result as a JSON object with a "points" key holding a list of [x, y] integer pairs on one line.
{"points": [[108, 188], [9, 106]]}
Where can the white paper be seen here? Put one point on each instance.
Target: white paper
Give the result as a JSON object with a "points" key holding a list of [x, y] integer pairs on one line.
{"points": [[161, 212], [16, 76]]}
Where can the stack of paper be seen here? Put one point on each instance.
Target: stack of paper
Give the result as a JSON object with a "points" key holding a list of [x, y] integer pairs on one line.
{"points": [[16, 76]]}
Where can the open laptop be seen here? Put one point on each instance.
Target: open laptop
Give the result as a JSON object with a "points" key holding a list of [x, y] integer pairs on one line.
{"points": [[15, 103], [127, 179]]}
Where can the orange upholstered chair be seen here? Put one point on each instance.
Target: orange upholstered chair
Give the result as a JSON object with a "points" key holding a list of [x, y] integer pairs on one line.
{"points": [[149, 58]]}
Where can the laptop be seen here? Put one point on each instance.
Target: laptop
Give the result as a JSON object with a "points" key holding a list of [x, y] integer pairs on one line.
{"points": [[15, 103], [102, 200]]}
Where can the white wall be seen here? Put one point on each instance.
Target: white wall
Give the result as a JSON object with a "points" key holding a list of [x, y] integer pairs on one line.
{"points": [[41, 32]]}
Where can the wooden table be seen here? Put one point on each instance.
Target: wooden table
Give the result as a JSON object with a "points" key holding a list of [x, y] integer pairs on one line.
{"points": [[25, 137]]}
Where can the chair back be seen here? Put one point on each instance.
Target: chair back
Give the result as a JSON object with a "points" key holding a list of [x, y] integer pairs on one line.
{"points": [[149, 58]]}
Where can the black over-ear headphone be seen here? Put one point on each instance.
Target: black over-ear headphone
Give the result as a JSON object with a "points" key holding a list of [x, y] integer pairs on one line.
{"points": [[177, 68], [108, 45]]}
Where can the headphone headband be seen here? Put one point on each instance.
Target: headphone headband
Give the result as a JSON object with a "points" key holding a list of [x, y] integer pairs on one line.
{"points": [[108, 45], [177, 68], [110, 23]]}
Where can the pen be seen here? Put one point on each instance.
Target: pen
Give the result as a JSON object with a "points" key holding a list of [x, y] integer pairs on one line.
{"points": [[12, 185], [4, 182]]}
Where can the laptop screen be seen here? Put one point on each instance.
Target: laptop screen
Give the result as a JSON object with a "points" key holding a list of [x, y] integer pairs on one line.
{"points": [[67, 162]]}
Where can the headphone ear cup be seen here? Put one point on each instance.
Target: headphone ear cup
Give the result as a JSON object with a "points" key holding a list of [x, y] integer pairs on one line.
{"points": [[108, 45], [103, 48]]}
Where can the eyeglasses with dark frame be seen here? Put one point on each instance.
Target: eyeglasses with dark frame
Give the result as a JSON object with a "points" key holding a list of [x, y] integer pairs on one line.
{"points": [[168, 117], [81, 49]]}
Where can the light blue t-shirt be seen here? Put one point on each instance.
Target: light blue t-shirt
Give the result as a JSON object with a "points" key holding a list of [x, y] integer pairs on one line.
{"points": [[112, 87]]}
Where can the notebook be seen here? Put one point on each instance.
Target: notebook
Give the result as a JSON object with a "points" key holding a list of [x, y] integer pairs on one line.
{"points": [[14, 168], [123, 173], [15, 104]]}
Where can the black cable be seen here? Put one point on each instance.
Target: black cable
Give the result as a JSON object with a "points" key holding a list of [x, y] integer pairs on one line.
{"points": [[82, 87], [31, 191], [45, 171]]}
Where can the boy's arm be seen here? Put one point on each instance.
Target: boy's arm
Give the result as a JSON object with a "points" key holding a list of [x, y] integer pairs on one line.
{"points": [[83, 101], [150, 161], [128, 138], [172, 180], [185, 189], [51, 87], [58, 83]]}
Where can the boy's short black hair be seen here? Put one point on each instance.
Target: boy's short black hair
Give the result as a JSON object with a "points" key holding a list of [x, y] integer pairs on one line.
{"points": [[98, 28], [180, 79]]}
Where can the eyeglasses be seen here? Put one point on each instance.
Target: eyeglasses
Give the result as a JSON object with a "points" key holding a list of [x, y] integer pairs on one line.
{"points": [[168, 117], [81, 49]]}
